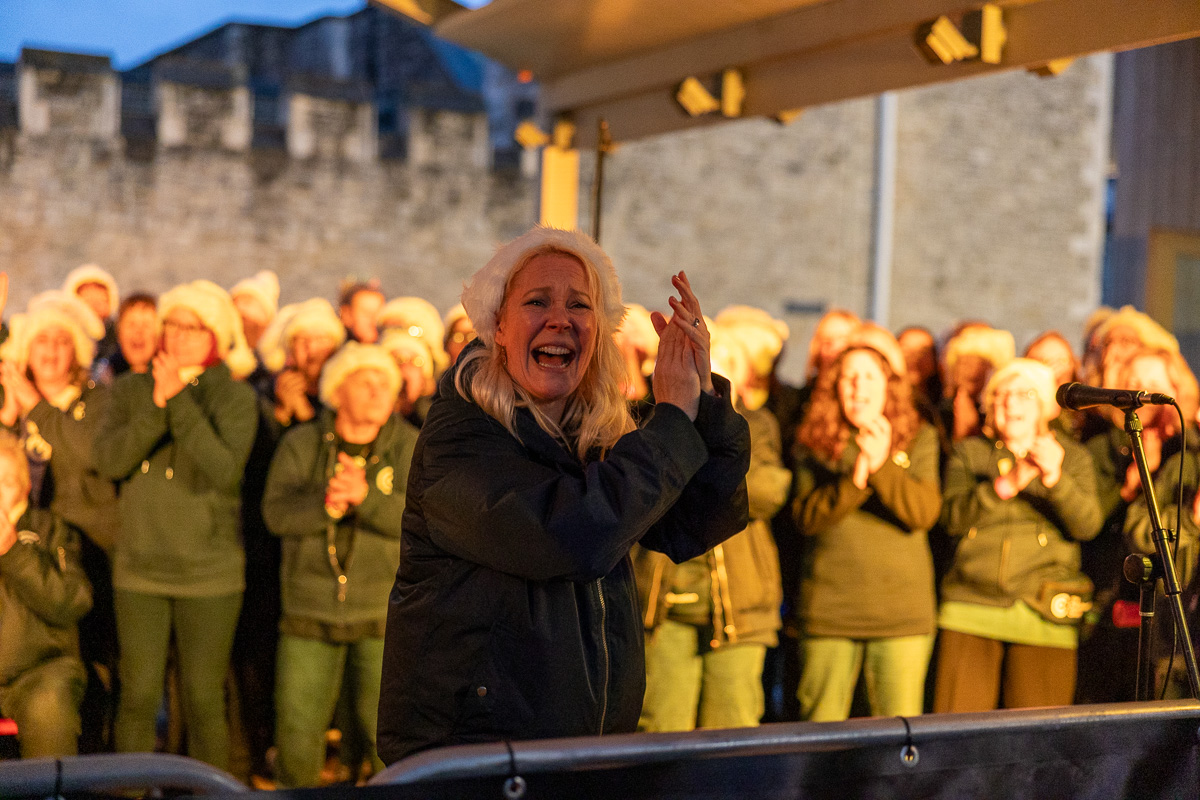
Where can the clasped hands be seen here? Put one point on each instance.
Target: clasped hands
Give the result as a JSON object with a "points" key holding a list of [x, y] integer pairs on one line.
{"points": [[348, 486], [683, 368], [1045, 459]]}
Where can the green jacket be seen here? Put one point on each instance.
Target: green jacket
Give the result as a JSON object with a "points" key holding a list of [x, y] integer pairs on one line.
{"points": [[1014, 549], [868, 572], [43, 594], [367, 539], [180, 471], [1138, 531], [739, 590], [78, 493]]}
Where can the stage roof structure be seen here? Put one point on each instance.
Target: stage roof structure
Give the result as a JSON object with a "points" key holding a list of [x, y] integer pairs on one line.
{"points": [[620, 70]]}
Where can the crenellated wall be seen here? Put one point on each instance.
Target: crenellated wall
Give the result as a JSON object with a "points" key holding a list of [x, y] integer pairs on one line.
{"points": [[212, 191]]}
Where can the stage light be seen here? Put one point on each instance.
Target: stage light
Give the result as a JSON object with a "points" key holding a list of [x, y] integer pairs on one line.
{"points": [[694, 98], [992, 33], [1052, 68], [564, 134], [946, 43], [530, 136], [733, 93]]}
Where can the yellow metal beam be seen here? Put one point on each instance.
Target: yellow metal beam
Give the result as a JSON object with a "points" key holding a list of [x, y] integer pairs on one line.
{"points": [[1038, 32], [560, 179]]}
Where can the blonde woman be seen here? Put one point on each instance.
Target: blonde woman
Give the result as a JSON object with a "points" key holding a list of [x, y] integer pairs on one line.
{"points": [[1018, 500], [514, 614]]}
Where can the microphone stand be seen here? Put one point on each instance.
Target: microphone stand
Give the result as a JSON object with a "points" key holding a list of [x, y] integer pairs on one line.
{"points": [[1133, 427]]}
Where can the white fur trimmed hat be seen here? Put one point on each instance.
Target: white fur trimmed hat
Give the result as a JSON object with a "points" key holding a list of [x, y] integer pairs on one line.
{"points": [[1146, 328], [312, 316], [749, 315], [993, 345], [352, 357], [215, 309], [637, 329], [484, 295], [93, 273], [1037, 373], [400, 342], [50, 309], [421, 319], [454, 315], [263, 287]]}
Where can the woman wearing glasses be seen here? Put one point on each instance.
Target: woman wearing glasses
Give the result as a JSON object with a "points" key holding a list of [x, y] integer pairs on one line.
{"points": [[1018, 500], [177, 439]]}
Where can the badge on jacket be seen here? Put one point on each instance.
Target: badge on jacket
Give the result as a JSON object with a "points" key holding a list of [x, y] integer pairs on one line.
{"points": [[385, 479]]}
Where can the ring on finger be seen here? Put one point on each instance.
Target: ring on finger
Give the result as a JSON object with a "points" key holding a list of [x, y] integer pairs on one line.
{"points": [[696, 322]]}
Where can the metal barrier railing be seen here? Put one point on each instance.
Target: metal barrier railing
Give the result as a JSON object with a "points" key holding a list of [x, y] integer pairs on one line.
{"points": [[113, 772], [1116, 743]]}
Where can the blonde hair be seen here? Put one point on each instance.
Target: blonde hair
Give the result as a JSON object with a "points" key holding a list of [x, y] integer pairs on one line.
{"points": [[596, 414]]}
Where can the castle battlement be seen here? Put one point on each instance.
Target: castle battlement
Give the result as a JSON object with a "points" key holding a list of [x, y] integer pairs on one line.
{"points": [[350, 90]]}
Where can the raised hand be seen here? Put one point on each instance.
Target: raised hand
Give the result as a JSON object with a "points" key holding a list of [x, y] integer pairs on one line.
{"points": [[675, 380], [291, 398], [1021, 475], [23, 392], [167, 382], [691, 319], [348, 487], [1047, 455]]}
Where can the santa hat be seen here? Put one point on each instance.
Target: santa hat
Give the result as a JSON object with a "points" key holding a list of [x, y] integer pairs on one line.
{"points": [[402, 344], [881, 340], [454, 315], [352, 357], [749, 315], [1037, 373], [53, 309], [315, 316], [728, 356], [263, 287], [92, 273], [762, 343], [991, 344], [421, 319], [1151, 334], [484, 295], [216, 311]]}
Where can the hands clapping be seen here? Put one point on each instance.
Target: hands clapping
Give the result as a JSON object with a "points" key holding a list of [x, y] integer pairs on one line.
{"points": [[683, 368], [167, 381], [20, 395], [1045, 459], [874, 440], [348, 487]]}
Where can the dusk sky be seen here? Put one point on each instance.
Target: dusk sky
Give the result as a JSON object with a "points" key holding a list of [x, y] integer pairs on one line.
{"points": [[130, 31]]}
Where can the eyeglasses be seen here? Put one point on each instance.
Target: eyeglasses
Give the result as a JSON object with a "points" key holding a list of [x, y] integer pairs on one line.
{"points": [[1003, 397], [171, 326]]}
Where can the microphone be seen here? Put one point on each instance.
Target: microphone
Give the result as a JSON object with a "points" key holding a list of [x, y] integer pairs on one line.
{"points": [[1077, 396]]}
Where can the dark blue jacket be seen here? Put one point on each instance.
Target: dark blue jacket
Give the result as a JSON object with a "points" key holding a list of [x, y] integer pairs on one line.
{"points": [[514, 614]]}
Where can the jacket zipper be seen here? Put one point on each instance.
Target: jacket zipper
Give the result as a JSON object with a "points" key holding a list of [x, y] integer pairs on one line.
{"points": [[604, 647], [728, 628]]}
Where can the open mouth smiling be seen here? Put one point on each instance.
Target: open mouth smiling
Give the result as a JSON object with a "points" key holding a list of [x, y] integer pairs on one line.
{"points": [[553, 356]]}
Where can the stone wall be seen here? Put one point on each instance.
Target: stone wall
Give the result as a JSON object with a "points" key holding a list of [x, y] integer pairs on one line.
{"points": [[999, 207], [206, 203]]}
